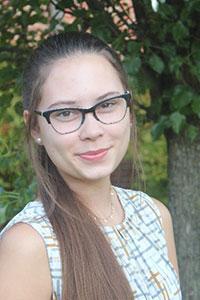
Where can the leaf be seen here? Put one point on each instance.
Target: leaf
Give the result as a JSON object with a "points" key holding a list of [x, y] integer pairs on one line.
{"points": [[195, 70], [166, 11], [192, 132], [158, 128], [175, 64], [156, 63], [196, 105], [181, 97], [195, 50], [136, 64], [133, 47], [170, 50], [179, 31], [177, 121]]}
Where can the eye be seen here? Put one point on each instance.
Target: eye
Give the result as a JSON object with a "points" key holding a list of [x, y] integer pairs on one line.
{"points": [[108, 105], [65, 115]]}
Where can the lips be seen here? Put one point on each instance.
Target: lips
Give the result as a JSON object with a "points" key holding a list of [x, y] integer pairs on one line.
{"points": [[94, 155]]}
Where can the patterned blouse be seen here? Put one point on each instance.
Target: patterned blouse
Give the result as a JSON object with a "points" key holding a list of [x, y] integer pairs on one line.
{"points": [[138, 243]]}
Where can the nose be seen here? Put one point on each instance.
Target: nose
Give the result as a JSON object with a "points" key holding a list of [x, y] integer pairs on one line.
{"points": [[91, 128]]}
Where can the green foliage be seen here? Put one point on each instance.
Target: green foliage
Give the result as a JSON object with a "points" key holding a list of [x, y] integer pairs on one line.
{"points": [[154, 161], [16, 41], [182, 96], [177, 121], [192, 132], [159, 127], [156, 63], [16, 185], [196, 105]]}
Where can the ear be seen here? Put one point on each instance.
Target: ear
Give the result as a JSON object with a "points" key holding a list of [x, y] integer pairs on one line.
{"points": [[35, 132]]}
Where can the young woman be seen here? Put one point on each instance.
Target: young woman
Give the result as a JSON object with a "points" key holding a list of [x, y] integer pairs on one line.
{"points": [[83, 238]]}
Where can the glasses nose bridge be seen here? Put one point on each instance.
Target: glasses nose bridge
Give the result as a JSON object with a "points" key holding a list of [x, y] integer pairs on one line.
{"points": [[87, 111]]}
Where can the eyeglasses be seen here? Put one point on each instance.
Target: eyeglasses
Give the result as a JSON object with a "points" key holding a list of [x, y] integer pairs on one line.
{"points": [[68, 120]]}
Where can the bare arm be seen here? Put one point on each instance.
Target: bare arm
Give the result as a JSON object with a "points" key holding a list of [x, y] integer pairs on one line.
{"points": [[24, 271], [169, 234]]}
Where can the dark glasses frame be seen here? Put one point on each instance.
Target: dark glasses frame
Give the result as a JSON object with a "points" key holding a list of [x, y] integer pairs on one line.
{"points": [[46, 114]]}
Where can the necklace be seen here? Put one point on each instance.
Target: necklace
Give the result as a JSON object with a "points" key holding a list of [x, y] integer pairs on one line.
{"points": [[112, 210]]}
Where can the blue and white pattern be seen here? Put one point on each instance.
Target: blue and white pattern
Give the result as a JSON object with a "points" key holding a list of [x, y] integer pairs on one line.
{"points": [[138, 243]]}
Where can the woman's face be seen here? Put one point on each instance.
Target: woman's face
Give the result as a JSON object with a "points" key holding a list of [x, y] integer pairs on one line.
{"points": [[93, 151]]}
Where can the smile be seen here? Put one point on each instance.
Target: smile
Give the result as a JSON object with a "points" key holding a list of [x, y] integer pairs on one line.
{"points": [[94, 155]]}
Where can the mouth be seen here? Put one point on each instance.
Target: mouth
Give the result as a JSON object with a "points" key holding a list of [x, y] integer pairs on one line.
{"points": [[94, 155]]}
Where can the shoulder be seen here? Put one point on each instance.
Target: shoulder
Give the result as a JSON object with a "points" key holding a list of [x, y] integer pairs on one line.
{"points": [[167, 225], [164, 212], [32, 212], [166, 218], [24, 264], [21, 237], [31, 218]]}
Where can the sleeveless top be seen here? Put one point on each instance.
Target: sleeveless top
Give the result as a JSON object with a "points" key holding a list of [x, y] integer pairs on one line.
{"points": [[138, 243]]}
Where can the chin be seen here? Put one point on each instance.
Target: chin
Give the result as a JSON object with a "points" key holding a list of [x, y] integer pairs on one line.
{"points": [[97, 174]]}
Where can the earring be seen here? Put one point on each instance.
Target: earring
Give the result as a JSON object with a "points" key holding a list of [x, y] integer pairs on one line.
{"points": [[38, 140]]}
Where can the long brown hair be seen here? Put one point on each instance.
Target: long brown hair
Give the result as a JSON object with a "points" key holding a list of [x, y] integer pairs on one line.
{"points": [[89, 268]]}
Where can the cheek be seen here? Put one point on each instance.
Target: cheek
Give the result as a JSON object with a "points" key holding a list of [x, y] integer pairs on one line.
{"points": [[56, 146], [124, 127], [122, 134]]}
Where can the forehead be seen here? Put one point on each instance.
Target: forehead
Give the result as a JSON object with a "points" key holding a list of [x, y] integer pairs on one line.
{"points": [[80, 77]]}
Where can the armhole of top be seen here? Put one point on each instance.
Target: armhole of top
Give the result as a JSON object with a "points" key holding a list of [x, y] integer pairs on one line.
{"points": [[152, 205]]}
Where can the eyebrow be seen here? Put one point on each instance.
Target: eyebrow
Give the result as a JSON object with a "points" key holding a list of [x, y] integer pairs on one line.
{"points": [[70, 102]]}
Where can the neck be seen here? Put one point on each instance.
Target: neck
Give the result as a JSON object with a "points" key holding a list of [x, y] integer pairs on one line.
{"points": [[96, 195]]}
